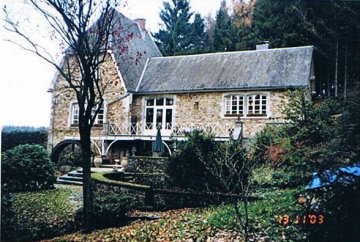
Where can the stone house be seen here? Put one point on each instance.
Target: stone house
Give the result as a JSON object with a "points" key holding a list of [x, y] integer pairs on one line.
{"points": [[182, 93]]}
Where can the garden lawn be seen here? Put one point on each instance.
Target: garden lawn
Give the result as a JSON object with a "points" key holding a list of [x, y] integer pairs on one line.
{"points": [[207, 223], [44, 214]]}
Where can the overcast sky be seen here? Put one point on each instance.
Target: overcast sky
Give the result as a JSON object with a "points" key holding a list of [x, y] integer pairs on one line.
{"points": [[25, 78]]}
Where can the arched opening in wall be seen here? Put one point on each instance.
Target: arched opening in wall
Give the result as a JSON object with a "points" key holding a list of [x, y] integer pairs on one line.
{"points": [[67, 156], [118, 149]]}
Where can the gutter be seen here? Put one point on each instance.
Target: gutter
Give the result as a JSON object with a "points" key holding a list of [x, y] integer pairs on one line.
{"points": [[219, 89]]}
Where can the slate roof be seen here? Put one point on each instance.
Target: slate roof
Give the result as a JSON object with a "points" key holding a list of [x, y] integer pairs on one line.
{"points": [[266, 69], [129, 65]]}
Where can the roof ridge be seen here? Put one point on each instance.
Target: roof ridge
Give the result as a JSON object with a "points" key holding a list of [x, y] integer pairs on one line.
{"points": [[232, 52]]}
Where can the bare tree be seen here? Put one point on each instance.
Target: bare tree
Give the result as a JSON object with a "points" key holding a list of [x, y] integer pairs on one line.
{"points": [[85, 44], [232, 169]]}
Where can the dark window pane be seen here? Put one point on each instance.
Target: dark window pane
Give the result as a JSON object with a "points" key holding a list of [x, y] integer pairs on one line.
{"points": [[150, 102], [168, 118], [169, 101], [159, 101], [149, 118], [159, 117]]}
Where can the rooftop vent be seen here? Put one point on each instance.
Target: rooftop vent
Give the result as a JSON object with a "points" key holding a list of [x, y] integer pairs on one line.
{"points": [[263, 46]]}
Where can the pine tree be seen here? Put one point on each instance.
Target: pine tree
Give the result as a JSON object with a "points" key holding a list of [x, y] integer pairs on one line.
{"points": [[198, 35], [280, 22], [224, 31], [175, 38]]}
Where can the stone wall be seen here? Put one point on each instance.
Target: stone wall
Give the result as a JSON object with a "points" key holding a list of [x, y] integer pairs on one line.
{"points": [[207, 108], [63, 97]]}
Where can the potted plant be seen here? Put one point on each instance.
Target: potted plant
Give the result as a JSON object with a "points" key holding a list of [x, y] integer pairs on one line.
{"points": [[97, 161]]}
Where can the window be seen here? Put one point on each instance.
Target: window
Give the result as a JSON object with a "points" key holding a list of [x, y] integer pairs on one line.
{"points": [[234, 105], [99, 120], [249, 105], [159, 113], [74, 114], [256, 105]]}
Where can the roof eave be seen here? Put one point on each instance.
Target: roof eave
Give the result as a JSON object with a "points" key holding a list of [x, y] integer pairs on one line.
{"points": [[220, 90]]}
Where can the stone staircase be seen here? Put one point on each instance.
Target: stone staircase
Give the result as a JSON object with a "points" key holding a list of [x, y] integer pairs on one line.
{"points": [[74, 177]]}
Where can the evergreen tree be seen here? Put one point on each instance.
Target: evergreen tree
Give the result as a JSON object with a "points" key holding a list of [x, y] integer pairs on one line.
{"points": [[242, 18], [224, 30], [175, 38], [280, 22], [198, 35]]}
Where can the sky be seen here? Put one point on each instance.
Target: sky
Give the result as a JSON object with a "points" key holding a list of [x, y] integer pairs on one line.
{"points": [[25, 78]]}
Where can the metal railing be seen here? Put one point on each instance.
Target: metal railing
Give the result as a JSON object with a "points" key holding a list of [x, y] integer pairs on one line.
{"points": [[172, 129]]}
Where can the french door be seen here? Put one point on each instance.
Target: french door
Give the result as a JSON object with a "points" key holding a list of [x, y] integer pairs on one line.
{"points": [[159, 115]]}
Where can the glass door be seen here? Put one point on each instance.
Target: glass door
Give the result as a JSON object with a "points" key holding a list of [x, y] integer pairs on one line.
{"points": [[159, 115]]}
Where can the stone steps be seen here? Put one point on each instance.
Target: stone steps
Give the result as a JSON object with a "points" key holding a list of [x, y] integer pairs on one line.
{"points": [[75, 177], [72, 178]]}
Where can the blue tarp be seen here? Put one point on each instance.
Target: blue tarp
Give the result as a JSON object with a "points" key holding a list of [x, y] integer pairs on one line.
{"points": [[344, 175]]}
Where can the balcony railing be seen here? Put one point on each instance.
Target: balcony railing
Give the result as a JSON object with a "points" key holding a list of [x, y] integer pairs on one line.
{"points": [[169, 129]]}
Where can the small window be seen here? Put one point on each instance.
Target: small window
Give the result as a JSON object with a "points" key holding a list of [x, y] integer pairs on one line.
{"points": [[99, 120], [75, 111], [250, 105], [74, 114], [256, 105], [234, 105]]}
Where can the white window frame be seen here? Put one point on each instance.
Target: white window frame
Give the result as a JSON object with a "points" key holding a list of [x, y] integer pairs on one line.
{"points": [[75, 107], [228, 102], [245, 115], [163, 107], [253, 105]]}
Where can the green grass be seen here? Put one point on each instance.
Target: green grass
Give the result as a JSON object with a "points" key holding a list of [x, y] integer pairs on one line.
{"points": [[184, 224], [263, 215], [43, 214]]}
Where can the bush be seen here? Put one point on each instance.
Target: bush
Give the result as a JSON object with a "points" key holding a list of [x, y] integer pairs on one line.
{"points": [[7, 216], [185, 169], [14, 136], [109, 208], [27, 168], [269, 144], [42, 214]]}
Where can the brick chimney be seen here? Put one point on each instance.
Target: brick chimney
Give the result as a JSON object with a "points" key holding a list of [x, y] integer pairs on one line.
{"points": [[142, 23]]}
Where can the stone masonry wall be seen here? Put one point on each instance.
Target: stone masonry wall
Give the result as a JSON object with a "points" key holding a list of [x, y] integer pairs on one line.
{"points": [[63, 97], [207, 108]]}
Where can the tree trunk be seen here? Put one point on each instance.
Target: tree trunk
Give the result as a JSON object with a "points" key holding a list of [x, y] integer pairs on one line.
{"points": [[345, 72], [336, 67], [85, 134]]}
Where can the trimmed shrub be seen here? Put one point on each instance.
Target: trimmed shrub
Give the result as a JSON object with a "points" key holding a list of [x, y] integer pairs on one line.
{"points": [[27, 168], [14, 136], [185, 169]]}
